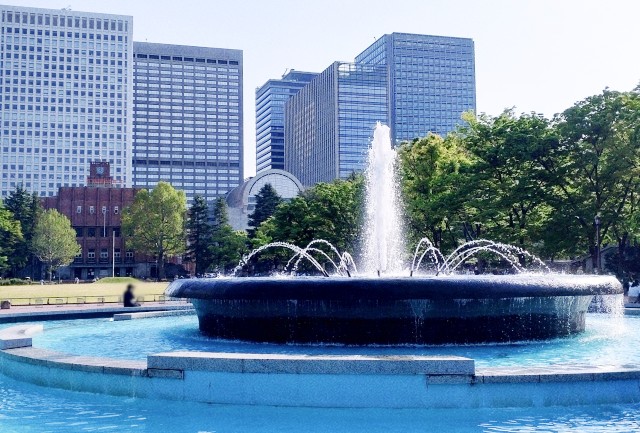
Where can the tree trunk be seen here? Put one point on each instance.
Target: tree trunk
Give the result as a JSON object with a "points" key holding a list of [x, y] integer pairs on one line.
{"points": [[622, 248], [160, 265]]}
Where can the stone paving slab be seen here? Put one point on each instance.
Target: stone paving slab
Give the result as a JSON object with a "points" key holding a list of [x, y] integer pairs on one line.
{"points": [[312, 364], [568, 373], [54, 359], [151, 314]]}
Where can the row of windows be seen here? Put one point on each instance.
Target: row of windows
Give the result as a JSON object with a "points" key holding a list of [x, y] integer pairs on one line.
{"points": [[155, 67], [104, 210], [186, 59], [92, 232], [46, 19], [210, 100], [44, 176], [104, 254], [44, 190], [179, 81]]}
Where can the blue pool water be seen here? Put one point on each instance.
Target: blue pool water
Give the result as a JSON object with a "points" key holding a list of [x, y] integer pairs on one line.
{"points": [[28, 408], [609, 341]]}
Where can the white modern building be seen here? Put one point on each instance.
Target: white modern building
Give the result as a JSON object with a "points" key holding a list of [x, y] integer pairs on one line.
{"points": [[66, 92]]}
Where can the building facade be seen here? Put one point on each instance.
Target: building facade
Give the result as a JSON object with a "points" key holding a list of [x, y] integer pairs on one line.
{"points": [[95, 214], [188, 118], [329, 123], [431, 81], [270, 100], [66, 95], [416, 84]]}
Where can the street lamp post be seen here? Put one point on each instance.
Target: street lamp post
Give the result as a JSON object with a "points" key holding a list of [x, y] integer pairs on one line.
{"points": [[597, 263]]}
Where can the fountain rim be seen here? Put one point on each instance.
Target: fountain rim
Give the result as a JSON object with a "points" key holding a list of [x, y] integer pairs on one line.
{"points": [[394, 288]]}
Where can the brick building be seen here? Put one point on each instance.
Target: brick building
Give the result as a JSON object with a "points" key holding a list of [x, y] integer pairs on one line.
{"points": [[95, 213]]}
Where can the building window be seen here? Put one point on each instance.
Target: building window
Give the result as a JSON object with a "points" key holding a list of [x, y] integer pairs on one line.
{"points": [[116, 210], [91, 232], [91, 254], [79, 232], [116, 232], [104, 253], [79, 209], [104, 209], [92, 210]]}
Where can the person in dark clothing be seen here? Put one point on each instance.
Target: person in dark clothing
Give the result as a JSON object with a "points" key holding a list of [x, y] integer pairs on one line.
{"points": [[129, 297]]}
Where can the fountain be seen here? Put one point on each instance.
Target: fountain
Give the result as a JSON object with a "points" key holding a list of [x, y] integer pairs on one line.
{"points": [[384, 240], [387, 304]]}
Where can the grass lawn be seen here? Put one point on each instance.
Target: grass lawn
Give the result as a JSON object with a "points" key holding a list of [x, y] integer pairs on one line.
{"points": [[88, 292]]}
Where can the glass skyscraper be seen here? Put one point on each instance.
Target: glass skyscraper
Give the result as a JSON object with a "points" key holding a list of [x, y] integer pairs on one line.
{"points": [[270, 100], [188, 118], [431, 81], [66, 95], [330, 122], [414, 83]]}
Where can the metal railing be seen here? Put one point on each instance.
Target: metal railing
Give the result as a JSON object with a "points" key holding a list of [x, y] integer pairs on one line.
{"points": [[93, 299]]}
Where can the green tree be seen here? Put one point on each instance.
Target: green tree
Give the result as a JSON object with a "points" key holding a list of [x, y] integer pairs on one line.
{"points": [[330, 211], [10, 238], [26, 208], [227, 246], [54, 240], [504, 187], [155, 223], [595, 168], [430, 170], [199, 233], [267, 200]]}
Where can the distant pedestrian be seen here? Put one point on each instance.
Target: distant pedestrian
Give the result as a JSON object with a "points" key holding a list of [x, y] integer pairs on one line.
{"points": [[129, 297]]}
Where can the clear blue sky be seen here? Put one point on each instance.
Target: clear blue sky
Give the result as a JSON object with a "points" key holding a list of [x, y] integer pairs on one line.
{"points": [[533, 55]]}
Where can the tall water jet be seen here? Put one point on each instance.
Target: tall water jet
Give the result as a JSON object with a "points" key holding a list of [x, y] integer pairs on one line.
{"points": [[384, 240]]}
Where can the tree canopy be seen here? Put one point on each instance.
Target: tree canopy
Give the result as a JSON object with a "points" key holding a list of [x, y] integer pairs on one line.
{"points": [[227, 246], [430, 169], [26, 209], [54, 240], [330, 211], [267, 200], [155, 223], [10, 237], [531, 181], [199, 234]]}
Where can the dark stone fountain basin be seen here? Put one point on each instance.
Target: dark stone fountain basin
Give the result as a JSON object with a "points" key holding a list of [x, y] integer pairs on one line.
{"points": [[391, 311]]}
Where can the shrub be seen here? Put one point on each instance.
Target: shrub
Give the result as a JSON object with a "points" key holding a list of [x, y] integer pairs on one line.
{"points": [[14, 282]]}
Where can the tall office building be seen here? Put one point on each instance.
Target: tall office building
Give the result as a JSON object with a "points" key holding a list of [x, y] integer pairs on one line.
{"points": [[188, 118], [431, 81], [414, 83], [65, 90], [270, 100], [329, 123]]}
